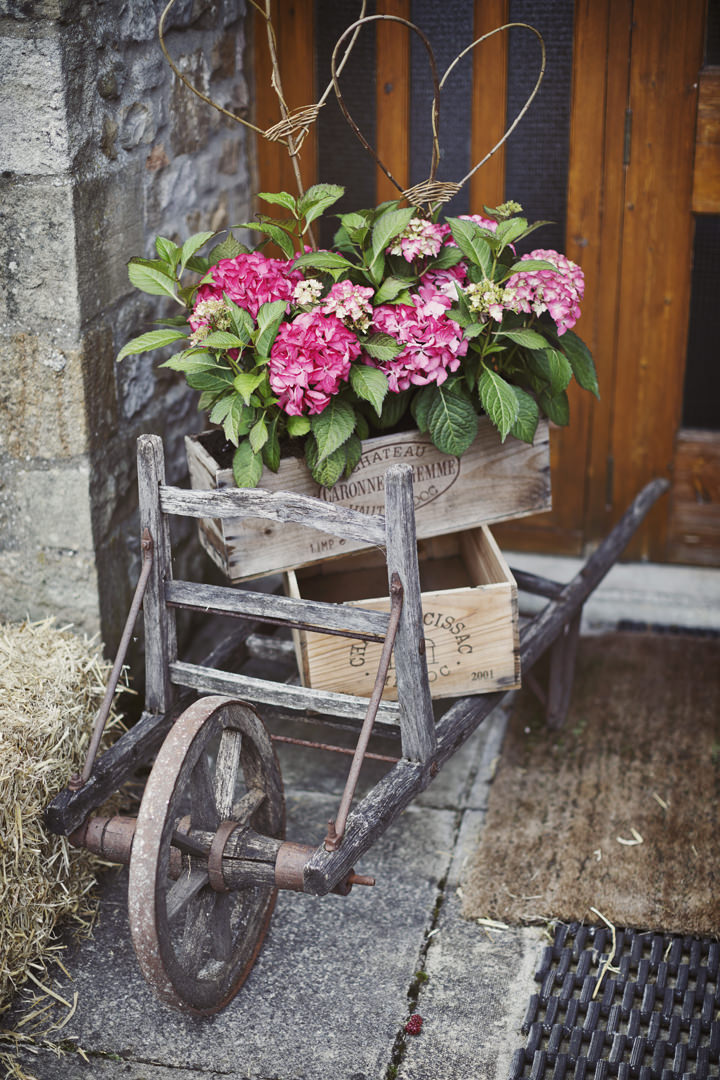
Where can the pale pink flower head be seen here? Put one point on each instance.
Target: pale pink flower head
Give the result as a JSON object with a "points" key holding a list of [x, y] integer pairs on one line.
{"points": [[350, 303], [309, 360], [419, 237], [433, 345], [558, 292], [250, 280]]}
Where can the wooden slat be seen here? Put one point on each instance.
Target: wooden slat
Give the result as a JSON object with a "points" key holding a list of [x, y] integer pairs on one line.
{"points": [[294, 30], [416, 715], [654, 297], [277, 506], [308, 614], [489, 95], [706, 176], [694, 528], [288, 697], [392, 43], [160, 632]]}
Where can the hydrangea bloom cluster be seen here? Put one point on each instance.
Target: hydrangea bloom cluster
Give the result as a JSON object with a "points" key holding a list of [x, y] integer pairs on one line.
{"points": [[250, 280], [208, 315], [350, 303], [487, 298], [309, 359], [307, 291], [419, 237], [558, 292], [434, 344]]}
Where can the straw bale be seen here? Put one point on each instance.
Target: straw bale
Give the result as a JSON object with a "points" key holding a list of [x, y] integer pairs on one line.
{"points": [[51, 685]]}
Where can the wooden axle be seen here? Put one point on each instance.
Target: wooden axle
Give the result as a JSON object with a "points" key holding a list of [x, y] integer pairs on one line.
{"points": [[243, 858]]}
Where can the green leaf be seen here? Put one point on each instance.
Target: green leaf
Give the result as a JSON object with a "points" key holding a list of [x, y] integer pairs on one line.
{"points": [[449, 256], [220, 339], [389, 289], [468, 237], [247, 466], [229, 248], [556, 408], [237, 421], [191, 245], [452, 421], [199, 265], [362, 428], [529, 339], [528, 415], [271, 449], [382, 347], [241, 319], [369, 384], [258, 435], [298, 425], [332, 427], [394, 408], [510, 230], [323, 260], [327, 471], [213, 380], [280, 198], [499, 401], [280, 236], [221, 408], [387, 227], [317, 199], [420, 406], [246, 383], [356, 226], [192, 363], [353, 452], [168, 251], [269, 318], [553, 368], [581, 361], [150, 280], [155, 339]]}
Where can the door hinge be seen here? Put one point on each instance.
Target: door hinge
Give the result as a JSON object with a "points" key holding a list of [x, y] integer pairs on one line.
{"points": [[628, 136]]}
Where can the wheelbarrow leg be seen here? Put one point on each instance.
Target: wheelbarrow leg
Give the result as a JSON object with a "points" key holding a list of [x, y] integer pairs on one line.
{"points": [[562, 672]]}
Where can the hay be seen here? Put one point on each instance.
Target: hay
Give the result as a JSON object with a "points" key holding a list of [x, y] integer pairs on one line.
{"points": [[51, 685]]}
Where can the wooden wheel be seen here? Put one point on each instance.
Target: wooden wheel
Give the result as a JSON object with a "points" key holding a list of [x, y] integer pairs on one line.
{"points": [[196, 941]]}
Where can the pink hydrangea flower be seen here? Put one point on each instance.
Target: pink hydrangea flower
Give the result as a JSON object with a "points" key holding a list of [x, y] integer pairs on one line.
{"points": [[309, 360], [558, 292], [250, 280], [350, 303], [433, 344], [419, 237]]}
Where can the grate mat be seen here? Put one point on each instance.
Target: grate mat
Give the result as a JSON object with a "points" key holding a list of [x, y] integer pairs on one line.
{"points": [[654, 1016]]}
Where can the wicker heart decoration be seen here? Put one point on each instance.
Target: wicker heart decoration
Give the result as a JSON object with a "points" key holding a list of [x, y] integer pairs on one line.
{"points": [[430, 191]]}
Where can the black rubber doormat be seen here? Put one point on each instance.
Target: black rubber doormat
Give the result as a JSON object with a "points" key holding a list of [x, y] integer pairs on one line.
{"points": [[649, 1008]]}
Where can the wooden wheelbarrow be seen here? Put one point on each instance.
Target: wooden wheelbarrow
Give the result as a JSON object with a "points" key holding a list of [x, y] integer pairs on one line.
{"points": [[207, 852]]}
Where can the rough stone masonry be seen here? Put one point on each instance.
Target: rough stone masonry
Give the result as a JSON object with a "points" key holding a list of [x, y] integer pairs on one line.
{"points": [[101, 149]]}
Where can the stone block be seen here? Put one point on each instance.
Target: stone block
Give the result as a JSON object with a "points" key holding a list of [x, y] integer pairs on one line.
{"points": [[42, 399], [54, 508], [32, 107], [190, 118], [37, 252], [137, 125], [108, 215], [38, 584]]}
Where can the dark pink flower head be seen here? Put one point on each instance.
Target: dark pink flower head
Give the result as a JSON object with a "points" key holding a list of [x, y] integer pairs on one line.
{"points": [[558, 292], [433, 343], [250, 280], [309, 359]]}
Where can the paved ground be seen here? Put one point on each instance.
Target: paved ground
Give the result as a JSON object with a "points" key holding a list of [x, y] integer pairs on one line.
{"points": [[337, 977]]}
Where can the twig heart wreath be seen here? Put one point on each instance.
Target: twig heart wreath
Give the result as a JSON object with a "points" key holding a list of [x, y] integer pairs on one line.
{"points": [[292, 129]]}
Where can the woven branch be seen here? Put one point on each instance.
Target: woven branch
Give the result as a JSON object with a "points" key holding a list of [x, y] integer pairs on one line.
{"points": [[431, 191]]}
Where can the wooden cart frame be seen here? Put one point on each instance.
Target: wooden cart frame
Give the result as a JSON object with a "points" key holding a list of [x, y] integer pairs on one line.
{"points": [[207, 851]]}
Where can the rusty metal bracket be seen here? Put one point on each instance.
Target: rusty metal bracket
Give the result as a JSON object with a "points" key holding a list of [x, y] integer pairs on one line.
{"points": [[77, 781], [336, 827]]}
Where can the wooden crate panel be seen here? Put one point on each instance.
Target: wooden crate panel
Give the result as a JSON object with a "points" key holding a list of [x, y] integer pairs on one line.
{"points": [[493, 481], [469, 605]]}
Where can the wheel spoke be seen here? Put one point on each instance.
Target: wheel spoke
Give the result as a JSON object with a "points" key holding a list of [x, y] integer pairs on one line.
{"points": [[244, 808], [222, 935], [204, 808], [226, 770], [182, 892], [197, 925]]}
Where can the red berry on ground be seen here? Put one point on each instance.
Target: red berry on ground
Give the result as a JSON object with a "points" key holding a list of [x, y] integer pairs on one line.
{"points": [[414, 1024]]}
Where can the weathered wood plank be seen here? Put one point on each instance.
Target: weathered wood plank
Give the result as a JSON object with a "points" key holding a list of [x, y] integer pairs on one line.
{"points": [[392, 97], [309, 614], [160, 632], [694, 530], [562, 671], [289, 697], [536, 584], [489, 95], [706, 175], [239, 503], [417, 725]]}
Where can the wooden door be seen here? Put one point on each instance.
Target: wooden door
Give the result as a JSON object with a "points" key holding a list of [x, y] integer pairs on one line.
{"points": [[642, 161]]}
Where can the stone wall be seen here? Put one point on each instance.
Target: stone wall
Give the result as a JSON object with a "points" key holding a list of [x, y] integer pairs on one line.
{"points": [[101, 148]]}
